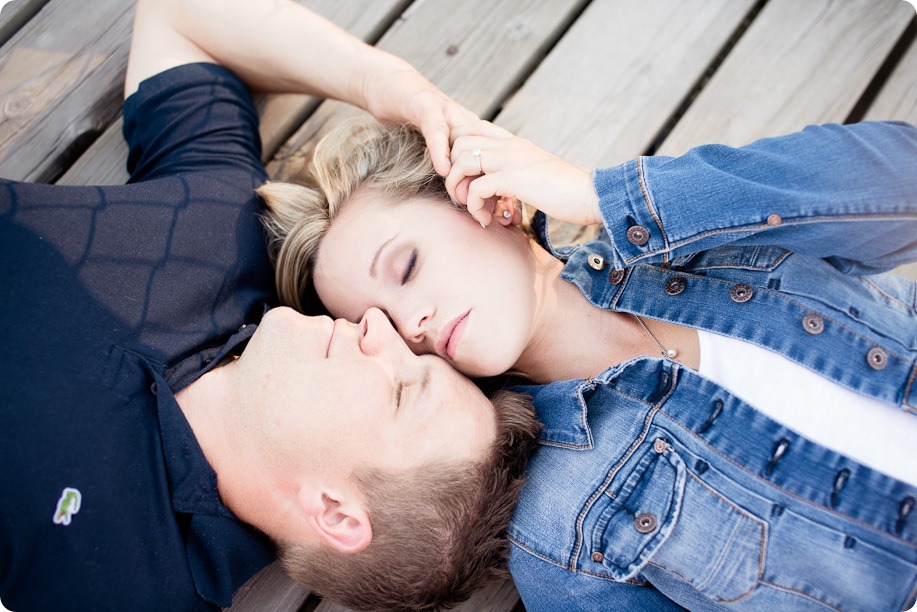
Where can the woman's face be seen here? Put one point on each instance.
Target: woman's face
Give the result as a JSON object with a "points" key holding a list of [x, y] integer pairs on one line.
{"points": [[449, 286]]}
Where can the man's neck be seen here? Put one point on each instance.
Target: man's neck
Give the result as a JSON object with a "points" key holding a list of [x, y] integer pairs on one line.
{"points": [[235, 451]]}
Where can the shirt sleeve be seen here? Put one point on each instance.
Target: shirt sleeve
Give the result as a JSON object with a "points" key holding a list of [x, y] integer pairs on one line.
{"points": [[192, 118], [843, 193]]}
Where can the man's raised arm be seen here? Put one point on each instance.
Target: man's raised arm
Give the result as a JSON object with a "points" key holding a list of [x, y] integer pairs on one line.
{"points": [[280, 46]]}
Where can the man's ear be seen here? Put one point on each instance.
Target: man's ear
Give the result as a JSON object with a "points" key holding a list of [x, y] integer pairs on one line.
{"points": [[339, 521]]}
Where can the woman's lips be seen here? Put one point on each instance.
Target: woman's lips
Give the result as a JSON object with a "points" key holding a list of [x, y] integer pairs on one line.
{"points": [[452, 335]]}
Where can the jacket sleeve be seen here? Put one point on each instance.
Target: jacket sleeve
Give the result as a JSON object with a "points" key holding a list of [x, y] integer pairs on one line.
{"points": [[545, 587], [844, 193]]}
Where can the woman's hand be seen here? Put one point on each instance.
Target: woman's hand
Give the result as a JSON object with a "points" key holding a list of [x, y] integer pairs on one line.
{"points": [[400, 93], [508, 169]]}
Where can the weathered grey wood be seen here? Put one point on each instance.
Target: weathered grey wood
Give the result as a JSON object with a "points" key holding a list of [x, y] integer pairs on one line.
{"points": [[608, 87], [270, 589], [476, 55], [61, 78], [104, 162], [799, 63], [15, 14], [898, 98], [618, 74], [500, 596]]}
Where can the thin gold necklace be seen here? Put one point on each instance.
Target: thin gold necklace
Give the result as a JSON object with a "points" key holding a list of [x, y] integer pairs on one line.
{"points": [[669, 353]]}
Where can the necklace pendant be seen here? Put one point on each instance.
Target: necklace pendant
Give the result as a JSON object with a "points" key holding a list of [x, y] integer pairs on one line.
{"points": [[671, 353]]}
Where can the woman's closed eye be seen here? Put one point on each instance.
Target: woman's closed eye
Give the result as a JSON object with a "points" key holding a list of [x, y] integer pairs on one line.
{"points": [[409, 268]]}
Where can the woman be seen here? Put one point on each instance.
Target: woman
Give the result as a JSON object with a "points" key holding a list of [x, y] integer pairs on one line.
{"points": [[726, 295]]}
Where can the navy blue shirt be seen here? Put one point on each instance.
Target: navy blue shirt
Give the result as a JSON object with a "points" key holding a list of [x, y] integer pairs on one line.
{"points": [[112, 298]]}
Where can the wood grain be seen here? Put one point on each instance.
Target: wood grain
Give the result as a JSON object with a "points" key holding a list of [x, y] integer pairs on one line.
{"points": [[799, 63], [476, 55], [898, 97], [607, 88], [103, 163], [15, 14], [61, 80], [269, 589]]}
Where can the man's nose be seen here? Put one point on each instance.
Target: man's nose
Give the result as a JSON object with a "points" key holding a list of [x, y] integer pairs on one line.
{"points": [[378, 337]]}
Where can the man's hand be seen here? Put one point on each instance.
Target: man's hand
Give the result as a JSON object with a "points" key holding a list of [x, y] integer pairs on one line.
{"points": [[492, 169], [403, 95]]}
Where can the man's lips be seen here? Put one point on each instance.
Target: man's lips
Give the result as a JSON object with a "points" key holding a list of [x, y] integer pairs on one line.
{"points": [[451, 335]]}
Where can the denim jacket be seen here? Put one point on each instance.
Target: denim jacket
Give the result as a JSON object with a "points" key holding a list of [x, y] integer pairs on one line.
{"points": [[651, 474]]}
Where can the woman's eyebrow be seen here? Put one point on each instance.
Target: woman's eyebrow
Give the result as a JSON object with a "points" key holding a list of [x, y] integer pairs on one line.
{"points": [[372, 266]]}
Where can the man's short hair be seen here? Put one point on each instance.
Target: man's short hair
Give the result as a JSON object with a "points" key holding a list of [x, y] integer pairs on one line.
{"points": [[438, 530]]}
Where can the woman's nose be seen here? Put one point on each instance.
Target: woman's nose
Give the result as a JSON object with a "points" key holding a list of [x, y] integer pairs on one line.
{"points": [[413, 322]]}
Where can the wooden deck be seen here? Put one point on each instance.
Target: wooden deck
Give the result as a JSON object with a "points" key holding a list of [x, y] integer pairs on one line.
{"points": [[594, 81]]}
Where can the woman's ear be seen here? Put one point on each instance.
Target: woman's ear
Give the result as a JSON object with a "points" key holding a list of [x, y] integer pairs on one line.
{"points": [[336, 519]]}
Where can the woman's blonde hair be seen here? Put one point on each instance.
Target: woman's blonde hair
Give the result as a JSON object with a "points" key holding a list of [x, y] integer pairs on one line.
{"points": [[361, 155]]}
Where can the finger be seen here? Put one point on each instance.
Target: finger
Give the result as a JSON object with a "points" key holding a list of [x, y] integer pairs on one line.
{"points": [[464, 165], [480, 128], [461, 191], [482, 199], [436, 134]]}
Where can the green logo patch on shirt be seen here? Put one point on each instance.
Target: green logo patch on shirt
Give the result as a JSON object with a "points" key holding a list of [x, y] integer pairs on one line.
{"points": [[67, 506]]}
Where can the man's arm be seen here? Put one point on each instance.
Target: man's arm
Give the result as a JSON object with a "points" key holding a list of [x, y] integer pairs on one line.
{"points": [[280, 46]]}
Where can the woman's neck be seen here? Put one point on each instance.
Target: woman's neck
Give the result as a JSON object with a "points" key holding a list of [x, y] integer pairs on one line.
{"points": [[571, 338]]}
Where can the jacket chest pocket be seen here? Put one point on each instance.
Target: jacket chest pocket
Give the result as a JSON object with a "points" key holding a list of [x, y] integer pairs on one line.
{"points": [[664, 515]]}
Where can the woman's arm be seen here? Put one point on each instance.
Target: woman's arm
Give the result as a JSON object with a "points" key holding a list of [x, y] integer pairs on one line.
{"points": [[280, 46], [842, 192]]}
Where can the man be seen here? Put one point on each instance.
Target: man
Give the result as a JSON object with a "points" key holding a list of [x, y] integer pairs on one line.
{"points": [[148, 461]]}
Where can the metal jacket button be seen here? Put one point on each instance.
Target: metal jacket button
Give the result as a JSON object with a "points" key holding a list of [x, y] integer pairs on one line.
{"points": [[615, 276], [877, 358], [638, 235], [741, 293], [645, 522], [774, 220], [598, 557], [595, 261], [675, 285], [813, 324]]}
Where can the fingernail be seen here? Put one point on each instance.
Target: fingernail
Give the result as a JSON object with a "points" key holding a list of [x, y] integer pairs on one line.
{"points": [[482, 224]]}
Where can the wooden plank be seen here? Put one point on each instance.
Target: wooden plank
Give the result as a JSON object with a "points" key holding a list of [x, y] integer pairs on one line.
{"points": [[618, 75], [614, 80], [269, 589], [898, 98], [500, 596], [61, 80], [477, 55], [16, 14], [799, 63], [104, 162]]}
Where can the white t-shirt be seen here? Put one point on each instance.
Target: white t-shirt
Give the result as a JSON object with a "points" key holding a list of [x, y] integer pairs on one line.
{"points": [[867, 430]]}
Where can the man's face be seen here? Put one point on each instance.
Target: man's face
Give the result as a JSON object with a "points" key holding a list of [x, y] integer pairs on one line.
{"points": [[349, 396]]}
